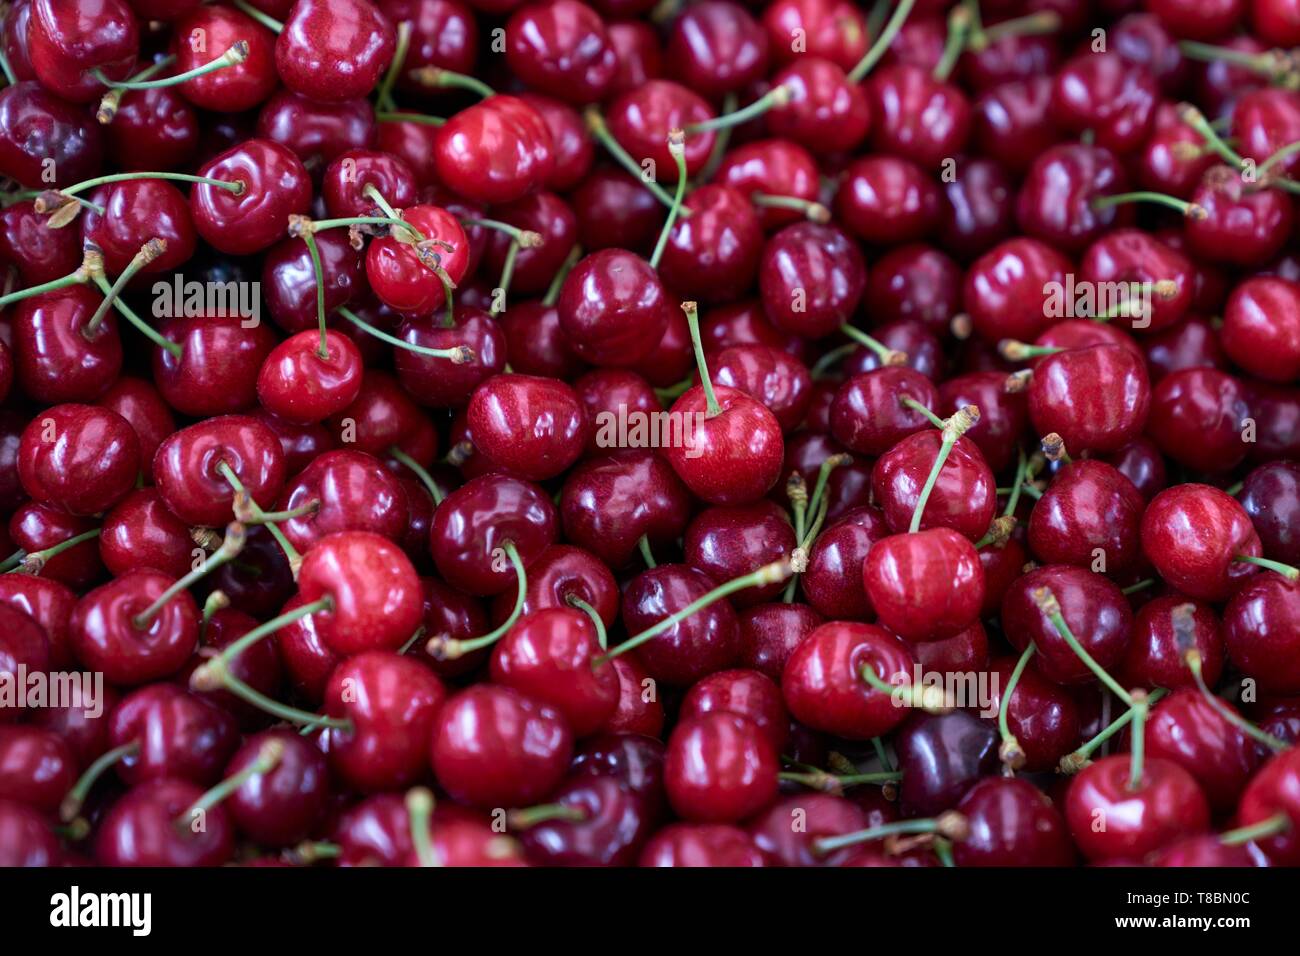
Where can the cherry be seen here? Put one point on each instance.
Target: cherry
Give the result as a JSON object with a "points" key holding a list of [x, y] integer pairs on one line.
{"points": [[717, 48], [1043, 719], [390, 704], [333, 50], [494, 746], [917, 116], [37, 127], [811, 278], [572, 148], [1241, 226], [826, 111], [1193, 343], [914, 282], [36, 767], [941, 757], [635, 761], [1259, 629], [1155, 657], [773, 166], [1272, 794], [719, 768], [213, 365], [823, 681], [1129, 255], [174, 734], [726, 542], [966, 651], [1165, 805], [36, 528], [1094, 610], [141, 829], [615, 211], [701, 844], [193, 467], [1089, 516], [1277, 22], [475, 522], [834, 30], [638, 50], [609, 503], [301, 382], [27, 839], [144, 408], [1261, 328], [612, 308], [560, 47], [1095, 398], [1204, 564], [1107, 95], [1269, 496], [24, 646], [283, 806], [1186, 729], [496, 151], [638, 711], [1011, 823], [289, 277], [238, 87], [1060, 201], [316, 133], [343, 491], [49, 604], [874, 411], [976, 212], [39, 253], [887, 199], [546, 411], [925, 586], [962, 497], [373, 591], [69, 43], [1013, 122], [688, 649], [1003, 414], [257, 666], [80, 458], [589, 821], [1007, 289], [105, 636], [434, 380], [747, 693], [735, 454], [713, 254]]}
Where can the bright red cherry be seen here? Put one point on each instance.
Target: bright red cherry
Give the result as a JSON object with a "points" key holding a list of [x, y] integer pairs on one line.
{"points": [[271, 186], [495, 151], [81, 458], [719, 768], [1194, 534], [374, 591], [332, 50], [925, 586]]}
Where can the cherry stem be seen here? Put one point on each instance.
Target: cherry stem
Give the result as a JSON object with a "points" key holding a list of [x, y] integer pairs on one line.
{"points": [[215, 602], [1140, 708], [830, 359], [391, 116], [1051, 608], [457, 354], [647, 555], [268, 758], [905, 693], [907, 401], [12, 561], [312, 851], [950, 821], [420, 472], [596, 125], [436, 76], [1286, 570], [419, 813], [677, 149], [835, 783], [693, 322], [823, 478], [150, 251], [576, 602], [384, 97], [720, 142], [147, 330], [442, 647], [275, 26], [812, 210], [35, 562], [1014, 351], [1184, 632], [543, 813], [959, 23], [999, 532], [796, 490], [1272, 63], [1032, 24], [112, 100], [237, 187], [954, 427], [1077, 759], [507, 275], [883, 352], [411, 641], [76, 798], [1189, 209], [209, 675], [886, 37], [1270, 826], [768, 574], [80, 276], [258, 516], [1194, 118], [309, 508], [1054, 450], [231, 545], [1139, 586], [775, 97], [1011, 753], [553, 291], [318, 271], [320, 225], [237, 54], [5, 66]]}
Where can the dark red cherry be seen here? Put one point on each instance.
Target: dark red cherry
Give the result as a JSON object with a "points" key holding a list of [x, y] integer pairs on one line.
{"points": [[642, 118], [1192, 343], [1088, 517], [494, 152], [917, 116], [1271, 496], [719, 768], [352, 491], [317, 133], [1260, 631], [716, 48], [177, 734], [234, 88], [887, 199], [609, 827], [1242, 225], [188, 467], [704, 642], [570, 144], [1186, 729], [1133, 256], [977, 210], [37, 768], [1273, 792], [776, 166], [609, 503], [290, 281], [811, 278], [275, 186], [494, 746], [771, 375], [914, 282], [23, 646], [560, 47], [639, 52], [712, 256], [1057, 202], [942, 756], [639, 710], [532, 427], [1007, 289], [438, 382], [1011, 823], [219, 363], [964, 495], [55, 358], [833, 582], [769, 633], [1155, 658], [728, 542], [282, 806], [733, 456], [1013, 122], [37, 251], [105, 637], [925, 586], [868, 415], [49, 604], [828, 28], [41, 135], [144, 408], [1141, 463], [826, 112], [1261, 328], [35, 527], [1003, 414], [67, 41], [615, 211], [140, 829], [701, 844], [1042, 716], [1107, 95], [332, 50], [81, 458], [301, 386], [301, 444], [612, 308], [1095, 398], [746, 693]]}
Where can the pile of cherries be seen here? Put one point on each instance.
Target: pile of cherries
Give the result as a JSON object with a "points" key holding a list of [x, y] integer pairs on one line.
{"points": [[333, 332]]}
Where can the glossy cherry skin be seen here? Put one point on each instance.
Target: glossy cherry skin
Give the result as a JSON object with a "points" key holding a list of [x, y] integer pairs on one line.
{"points": [[716, 48], [36, 126], [1043, 716], [35, 527], [1198, 417], [1193, 343], [977, 209], [769, 633], [186, 467], [917, 116], [887, 199], [612, 308], [820, 815], [570, 144], [333, 50], [823, 685], [1154, 658], [704, 642], [700, 844], [392, 703], [55, 360], [867, 414], [1056, 201], [561, 572], [1260, 631], [37, 768], [1012, 823], [1013, 123], [830, 29], [560, 47], [712, 256], [833, 582], [783, 167], [1242, 226], [375, 590], [613, 825], [550, 656], [354, 492], [1094, 608], [276, 186], [925, 586], [1107, 95], [1169, 804], [1261, 328], [1006, 289], [941, 757], [719, 768], [495, 151], [1275, 789], [532, 427], [24, 645], [610, 502], [826, 113], [299, 385], [65, 41], [1088, 507], [642, 118], [11, 429], [178, 735], [235, 88], [346, 178], [616, 212], [639, 710], [49, 604], [1271, 496], [377, 832], [317, 133], [1192, 534], [638, 49], [135, 212], [727, 542], [535, 343], [80, 458], [606, 394], [917, 282], [289, 279], [400, 279], [1184, 728], [104, 638], [746, 693], [144, 408], [436, 382], [811, 278], [476, 520], [1130, 255], [733, 457], [218, 368], [38, 252], [140, 829], [1095, 398], [963, 497], [283, 806], [494, 746], [1003, 415]]}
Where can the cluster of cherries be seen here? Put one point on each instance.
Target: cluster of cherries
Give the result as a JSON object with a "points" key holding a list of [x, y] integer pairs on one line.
{"points": [[947, 564]]}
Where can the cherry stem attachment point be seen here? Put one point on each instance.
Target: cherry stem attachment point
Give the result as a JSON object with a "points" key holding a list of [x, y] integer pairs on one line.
{"points": [[677, 149], [777, 96], [1286, 570], [34, 562], [231, 545], [954, 427], [950, 823], [578, 603], [258, 516], [72, 803], [442, 647], [268, 758], [883, 352], [1010, 752], [1051, 609]]}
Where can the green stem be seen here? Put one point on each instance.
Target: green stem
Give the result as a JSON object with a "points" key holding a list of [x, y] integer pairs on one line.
{"points": [[1230, 716], [150, 251], [811, 210], [553, 291], [420, 472], [419, 814], [389, 116], [1286, 570], [442, 647], [1188, 209], [1140, 586], [543, 813], [237, 187], [112, 100], [76, 798], [1074, 761], [958, 29], [80, 277], [596, 125], [507, 275], [881, 753], [1048, 604], [677, 148], [646, 554], [436, 76], [231, 545], [384, 97], [1138, 742], [35, 561], [819, 492], [1270, 826], [1022, 465], [574, 601], [886, 37], [777, 96], [830, 359], [321, 225], [259, 516], [1003, 728], [693, 322], [237, 54], [883, 352], [907, 401], [831, 844], [457, 355], [319, 271], [275, 26], [268, 758]]}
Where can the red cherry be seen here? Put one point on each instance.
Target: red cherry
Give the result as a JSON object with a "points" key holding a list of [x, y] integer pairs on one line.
{"points": [[177, 735], [925, 586], [1193, 534], [826, 112], [299, 385], [917, 116], [49, 604], [1186, 729], [1007, 289], [140, 829], [1261, 328], [719, 768], [700, 844], [190, 467], [612, 308], [317, 133], [1095, 398], [728, 542], [700, 644], [375, 593], [963, 497], [887, 199], [275, 186], [1012, 823], [736, 454], [55, 358], [811, 278], [1088, 508], [144, 408], [332, 50], [1108, 95], [350, 491], [1167, 805], [560, 47], [1260, 630], [543, 412], [1275, 791], [290, 281], [67, 41], [234, 88], [494, 152], [36, 127], [105, 637], [80, 458], [35, 527], [1154, 657]]}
